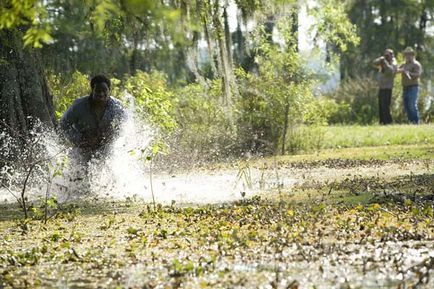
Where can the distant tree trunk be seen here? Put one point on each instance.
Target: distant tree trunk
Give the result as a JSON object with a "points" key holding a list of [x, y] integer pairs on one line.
{"points": [[268, 28], [24, 95], [134, 54], [207, 12], [239, 45], [224, 65], [228, 36], [294, 28], [285, 128], [226, 69], [191, 60]]}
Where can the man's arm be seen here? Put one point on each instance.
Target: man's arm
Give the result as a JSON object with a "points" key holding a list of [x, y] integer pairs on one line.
{"points": [[403, 71], [389, 68], [378, 61], [418, 71], [67, 123]]}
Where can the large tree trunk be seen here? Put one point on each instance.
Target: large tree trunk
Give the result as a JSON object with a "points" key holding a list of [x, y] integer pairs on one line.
{"points": [[24, 95]]}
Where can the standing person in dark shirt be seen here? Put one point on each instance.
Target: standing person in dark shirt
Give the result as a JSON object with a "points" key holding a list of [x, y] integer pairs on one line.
{"points": [[92, 122], [387, 68]]}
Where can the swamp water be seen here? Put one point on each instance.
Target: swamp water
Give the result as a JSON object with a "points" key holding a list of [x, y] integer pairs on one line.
{"points": [[125, 173]]}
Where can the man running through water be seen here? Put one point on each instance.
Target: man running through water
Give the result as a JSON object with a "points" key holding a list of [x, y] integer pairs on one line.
{"points": [[92, 122]]}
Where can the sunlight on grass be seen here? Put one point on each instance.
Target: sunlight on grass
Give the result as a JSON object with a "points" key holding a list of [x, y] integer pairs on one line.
{"points": [[358, 136]]}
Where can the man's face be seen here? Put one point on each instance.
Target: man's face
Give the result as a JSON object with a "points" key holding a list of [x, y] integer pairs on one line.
{"points": [[409, 57], [388, 55], [100, 93]]}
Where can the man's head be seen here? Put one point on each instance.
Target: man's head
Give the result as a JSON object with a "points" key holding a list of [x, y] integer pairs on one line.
{"points": [[389, 55], [409, 54], [100, 86]]}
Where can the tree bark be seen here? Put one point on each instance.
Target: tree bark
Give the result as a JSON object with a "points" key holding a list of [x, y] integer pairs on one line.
{"points": [[24, 95], [224, 66], [228, 36], [207, 13], [285, 128], [294, 41]]}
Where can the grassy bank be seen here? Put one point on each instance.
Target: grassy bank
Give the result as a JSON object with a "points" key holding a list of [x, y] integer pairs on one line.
{"points": [[362, 136], [315, 138]]}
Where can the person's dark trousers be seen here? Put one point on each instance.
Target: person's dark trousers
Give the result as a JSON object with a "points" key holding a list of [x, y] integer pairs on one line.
{"points": [[410, 95], [384, 99]]}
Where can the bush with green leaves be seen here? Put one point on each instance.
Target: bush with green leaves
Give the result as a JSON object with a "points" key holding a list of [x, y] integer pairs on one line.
{"points": [[65, 91], [206, 126], [154, 101], [361, 95], [279, 98]]}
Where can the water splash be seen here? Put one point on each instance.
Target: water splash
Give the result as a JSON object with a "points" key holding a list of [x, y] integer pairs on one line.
{"points": [[125, 172]]}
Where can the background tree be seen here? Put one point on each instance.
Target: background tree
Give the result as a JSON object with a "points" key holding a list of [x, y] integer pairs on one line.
{"points": [[23, 88]]}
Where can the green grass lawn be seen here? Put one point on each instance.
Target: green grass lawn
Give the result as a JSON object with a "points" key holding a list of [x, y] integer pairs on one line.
{"points": [[376, 135], [386, 152]]}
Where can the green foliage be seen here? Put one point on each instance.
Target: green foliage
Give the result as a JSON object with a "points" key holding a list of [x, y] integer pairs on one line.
{"points": [[278, 98], [280, 95], [154, 102], [321, 110], [206, 126], [18, 13], [361, 96], [333, 25], [36, 37], [65, 91], [104, 11]]}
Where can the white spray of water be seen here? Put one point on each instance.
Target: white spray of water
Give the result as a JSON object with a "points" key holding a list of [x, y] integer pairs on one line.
{"points": [[123, 173], [126, 173]]}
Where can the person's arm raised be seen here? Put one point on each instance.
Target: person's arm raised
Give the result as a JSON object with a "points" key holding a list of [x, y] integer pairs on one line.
{"points": [[378, 61], [389, 68]]}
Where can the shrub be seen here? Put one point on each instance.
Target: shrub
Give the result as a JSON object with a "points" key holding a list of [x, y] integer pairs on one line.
{"points": [[154, 101], [65, 91], [361, 96], [278, 100], [206, 127]]}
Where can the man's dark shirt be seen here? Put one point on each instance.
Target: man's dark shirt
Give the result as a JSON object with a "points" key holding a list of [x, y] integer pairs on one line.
{"points": [[83, 128]]}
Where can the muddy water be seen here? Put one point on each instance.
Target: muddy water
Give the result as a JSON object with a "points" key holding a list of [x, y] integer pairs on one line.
{"points": [[205, 186], [343, 265], [202, 186], [124, 173], [334, 265]]}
